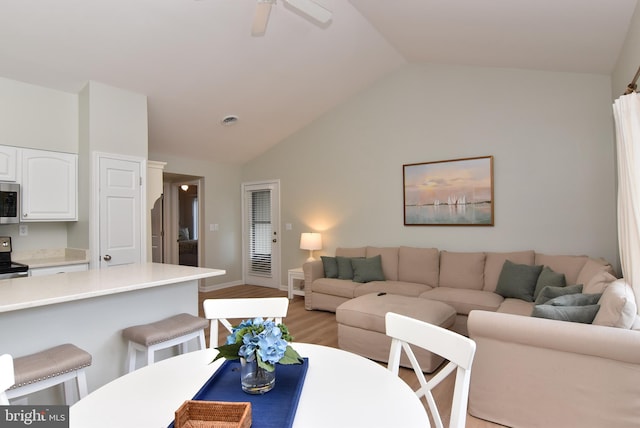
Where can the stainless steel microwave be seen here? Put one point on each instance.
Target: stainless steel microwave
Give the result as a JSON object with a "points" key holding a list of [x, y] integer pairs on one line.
{"points": [[9, 203]]}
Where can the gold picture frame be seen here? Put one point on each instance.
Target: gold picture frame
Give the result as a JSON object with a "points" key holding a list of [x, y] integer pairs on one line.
{"points": [[457, 192]]}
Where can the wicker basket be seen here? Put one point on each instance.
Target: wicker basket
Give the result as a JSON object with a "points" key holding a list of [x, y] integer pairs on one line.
{"points": [[213, 414]]}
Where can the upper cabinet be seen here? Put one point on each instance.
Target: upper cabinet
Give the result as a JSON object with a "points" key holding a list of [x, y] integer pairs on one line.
{"points": [[8, 163], [49, 186]]}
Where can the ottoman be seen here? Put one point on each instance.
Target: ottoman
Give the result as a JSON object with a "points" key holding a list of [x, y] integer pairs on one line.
{"points": [[361, 327]]}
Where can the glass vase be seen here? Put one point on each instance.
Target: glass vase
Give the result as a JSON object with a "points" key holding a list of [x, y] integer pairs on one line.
{"points": [[255, 379]]}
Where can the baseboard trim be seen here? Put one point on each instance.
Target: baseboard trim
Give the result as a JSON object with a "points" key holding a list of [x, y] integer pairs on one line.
{"points": [[214, 287]]}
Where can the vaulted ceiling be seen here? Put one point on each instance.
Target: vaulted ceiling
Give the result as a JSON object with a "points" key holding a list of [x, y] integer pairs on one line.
{"points": [[197, 61]]}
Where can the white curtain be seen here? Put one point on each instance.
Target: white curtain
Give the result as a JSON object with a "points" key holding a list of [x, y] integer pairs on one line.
{"points": [[626, 111]]}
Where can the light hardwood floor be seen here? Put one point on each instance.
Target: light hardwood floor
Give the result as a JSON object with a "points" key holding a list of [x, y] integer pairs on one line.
{"points": [[321, 328]]}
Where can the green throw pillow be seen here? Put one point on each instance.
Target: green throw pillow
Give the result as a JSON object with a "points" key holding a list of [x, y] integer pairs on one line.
{"points": [[518, 281], [549, 293], [582, 314], [365, 270], [345, 270], [548, 278], [578, 299], [330, 266]]}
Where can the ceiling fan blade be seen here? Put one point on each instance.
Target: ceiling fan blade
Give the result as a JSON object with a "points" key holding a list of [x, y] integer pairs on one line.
{"points": [[261, 18], [312, 10]]}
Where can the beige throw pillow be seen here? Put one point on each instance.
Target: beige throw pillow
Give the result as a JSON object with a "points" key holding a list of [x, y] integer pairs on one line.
{"points": [[598, 283], [617, 306]]}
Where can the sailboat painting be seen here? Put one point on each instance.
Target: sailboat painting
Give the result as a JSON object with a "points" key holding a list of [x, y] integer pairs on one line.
{"points": [[455, 192]]}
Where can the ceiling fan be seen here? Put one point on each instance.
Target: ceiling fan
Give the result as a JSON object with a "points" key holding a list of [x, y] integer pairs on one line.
{"points": [[308, 8]]}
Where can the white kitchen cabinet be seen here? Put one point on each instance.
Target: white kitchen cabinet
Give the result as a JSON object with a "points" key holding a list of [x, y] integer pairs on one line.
{"points": [[49, 186], [9, 163], [51, 270]]}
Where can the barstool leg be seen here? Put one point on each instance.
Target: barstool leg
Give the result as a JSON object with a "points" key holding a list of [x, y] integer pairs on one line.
{"points": [[82, 384], [132, 357], [201, 340], [68, 387]]}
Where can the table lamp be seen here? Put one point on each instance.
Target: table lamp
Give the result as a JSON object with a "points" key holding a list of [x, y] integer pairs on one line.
{"points": [[310, 241]]}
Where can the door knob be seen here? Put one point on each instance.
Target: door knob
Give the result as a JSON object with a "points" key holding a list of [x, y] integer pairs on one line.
{"points": [[274, 240], [107, 258]]}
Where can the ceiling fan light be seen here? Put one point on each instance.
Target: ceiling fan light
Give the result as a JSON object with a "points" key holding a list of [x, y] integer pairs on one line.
{"points": [[261, 18], [312, 9]]}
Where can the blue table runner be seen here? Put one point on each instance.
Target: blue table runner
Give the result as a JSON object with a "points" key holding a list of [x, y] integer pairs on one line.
{"points": [[275, 409]]}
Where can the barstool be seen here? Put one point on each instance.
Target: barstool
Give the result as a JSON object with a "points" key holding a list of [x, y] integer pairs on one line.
{"points": [[53, 366], [176, 330]]}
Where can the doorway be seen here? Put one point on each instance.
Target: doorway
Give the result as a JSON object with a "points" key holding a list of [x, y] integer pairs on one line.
{"points": [[183, 208], [261, 233]]}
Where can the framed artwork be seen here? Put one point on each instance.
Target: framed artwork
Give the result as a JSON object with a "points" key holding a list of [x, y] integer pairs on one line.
{"points": [[455, 192]]}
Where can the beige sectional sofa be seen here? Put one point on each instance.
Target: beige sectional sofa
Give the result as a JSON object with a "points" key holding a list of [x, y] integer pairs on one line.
{"points": [[528, 371]]}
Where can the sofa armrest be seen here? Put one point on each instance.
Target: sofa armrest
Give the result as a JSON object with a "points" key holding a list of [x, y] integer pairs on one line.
{"points": [[605, 342], [312, 271], [533, 372]]}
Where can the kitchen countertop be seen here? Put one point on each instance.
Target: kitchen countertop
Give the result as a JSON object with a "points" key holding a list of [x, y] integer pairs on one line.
{"points": [[34, 291], [51, 257]]}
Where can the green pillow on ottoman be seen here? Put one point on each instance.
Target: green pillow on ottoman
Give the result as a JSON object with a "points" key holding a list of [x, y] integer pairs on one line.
{"points": [[365, 270], [549, 293], [582, 314], [518, 281]]}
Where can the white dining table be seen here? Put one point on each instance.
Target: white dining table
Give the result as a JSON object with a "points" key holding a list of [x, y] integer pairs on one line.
{"points": [[341, 389]]}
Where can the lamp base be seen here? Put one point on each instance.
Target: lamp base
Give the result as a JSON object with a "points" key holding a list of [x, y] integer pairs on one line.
{"points": [[311, 259]]}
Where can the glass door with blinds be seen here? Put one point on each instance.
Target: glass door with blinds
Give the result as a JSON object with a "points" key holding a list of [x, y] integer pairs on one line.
{"points": [[261, 235]]}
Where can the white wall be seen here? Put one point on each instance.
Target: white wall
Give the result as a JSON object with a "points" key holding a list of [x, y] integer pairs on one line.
{"points": [[40, 118], [551, 135], [629, 59], [223, 248]]}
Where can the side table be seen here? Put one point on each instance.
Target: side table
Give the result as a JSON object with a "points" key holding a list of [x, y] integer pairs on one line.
{"points": [[295, 284]]}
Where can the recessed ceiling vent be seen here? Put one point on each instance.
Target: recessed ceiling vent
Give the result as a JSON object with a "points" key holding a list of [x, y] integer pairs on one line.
{"points": [[229, 120]]}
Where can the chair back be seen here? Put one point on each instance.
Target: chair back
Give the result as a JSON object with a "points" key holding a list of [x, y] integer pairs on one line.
{"points": [[455, 348], [7, 377], [221, 310]]}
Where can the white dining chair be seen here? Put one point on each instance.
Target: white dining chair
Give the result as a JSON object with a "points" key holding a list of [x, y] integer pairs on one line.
{"points": [[455, 348], [7, 378], [221, 310]]}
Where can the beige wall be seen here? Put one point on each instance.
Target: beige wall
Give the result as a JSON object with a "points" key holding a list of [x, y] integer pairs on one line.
{"points": [[551, 135], [223, 248]]}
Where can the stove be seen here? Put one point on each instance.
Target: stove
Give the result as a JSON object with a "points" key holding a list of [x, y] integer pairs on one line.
{"points": [[9, 269]]}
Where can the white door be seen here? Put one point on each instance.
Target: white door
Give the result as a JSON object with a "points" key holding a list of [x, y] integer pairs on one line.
{"points": [[120, 212], [261, 233]]}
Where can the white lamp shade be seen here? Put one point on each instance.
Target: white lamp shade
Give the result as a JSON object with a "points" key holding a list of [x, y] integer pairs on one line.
{"points": [[310, 241]]}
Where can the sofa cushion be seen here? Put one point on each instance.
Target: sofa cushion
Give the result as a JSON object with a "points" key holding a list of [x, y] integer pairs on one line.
{"points": [[345, 268], [592, 268], [419, 265], [578, 299], [598, 283], [410, 289], [461, 270], [334, 287], [570, 266], [518, 280], [617, 306], [549, 293], [548, 278], [464, 301], [330, 266], [351, 252], [495, 261], [581, 314], [389, 257], [368, 269], [516, 307]]}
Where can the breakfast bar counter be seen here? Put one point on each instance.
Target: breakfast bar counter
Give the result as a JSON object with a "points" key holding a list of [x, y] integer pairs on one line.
{"points": [[90, 309]]}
